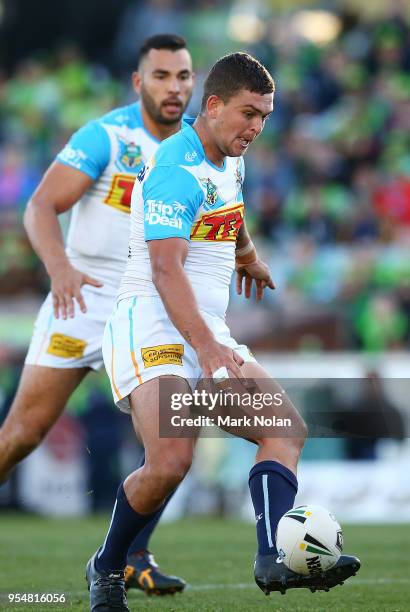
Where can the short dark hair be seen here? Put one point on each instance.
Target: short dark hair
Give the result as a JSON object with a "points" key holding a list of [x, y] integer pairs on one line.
{"points": [[173, 42], [235, 72]]}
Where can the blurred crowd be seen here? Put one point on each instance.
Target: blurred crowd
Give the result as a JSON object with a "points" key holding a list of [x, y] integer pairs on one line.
{"points": [[327, 184]]}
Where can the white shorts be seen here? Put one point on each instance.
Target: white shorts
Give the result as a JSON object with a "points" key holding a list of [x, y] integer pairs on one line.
{"points": [[140, 343], [72, 343]]}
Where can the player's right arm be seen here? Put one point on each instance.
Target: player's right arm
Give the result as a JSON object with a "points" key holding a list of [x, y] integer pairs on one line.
{"points": [[167, 262], [67, 179], [59, 190]]}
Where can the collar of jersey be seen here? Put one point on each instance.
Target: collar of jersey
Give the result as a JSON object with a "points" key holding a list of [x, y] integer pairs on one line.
{"points": [[191, 134]]}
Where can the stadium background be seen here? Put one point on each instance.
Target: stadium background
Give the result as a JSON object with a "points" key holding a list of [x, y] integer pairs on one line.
{"points": [[328, 199]]}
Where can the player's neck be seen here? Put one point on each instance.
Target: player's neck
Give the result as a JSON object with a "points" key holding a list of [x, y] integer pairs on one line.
{"points": [[212, 151], [158, 130]]}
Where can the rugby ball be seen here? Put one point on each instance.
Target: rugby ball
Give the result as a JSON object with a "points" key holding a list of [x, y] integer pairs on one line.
{"points": [[309, 540]]}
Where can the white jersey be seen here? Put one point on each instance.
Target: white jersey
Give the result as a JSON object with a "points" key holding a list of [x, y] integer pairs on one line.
{"points": [[180, 193], [111, 150]]}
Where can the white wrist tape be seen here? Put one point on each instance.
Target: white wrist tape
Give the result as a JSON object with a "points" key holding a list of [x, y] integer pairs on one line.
{"points": [[220, 375], [245, 250]]}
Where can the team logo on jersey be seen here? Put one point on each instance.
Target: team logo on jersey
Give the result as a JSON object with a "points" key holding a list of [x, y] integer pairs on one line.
{"points": [[212, 198], [130, 155], [222, 225], [159, 213], [66, 346], [162, 355], [119, 196]]}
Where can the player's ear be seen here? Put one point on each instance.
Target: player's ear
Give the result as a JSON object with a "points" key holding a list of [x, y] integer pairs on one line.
{"points": [[136, 81], [213, 106]]}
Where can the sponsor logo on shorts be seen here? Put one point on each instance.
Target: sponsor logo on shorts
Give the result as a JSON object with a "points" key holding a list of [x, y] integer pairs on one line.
{"points": [[119, 196], [66, 346], [164, 354], [222, 225], [159, 213]]}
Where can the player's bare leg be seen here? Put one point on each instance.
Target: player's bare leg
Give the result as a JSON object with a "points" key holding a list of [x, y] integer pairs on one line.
{"points": [[273, 487], [285, 450], [142, 572], [143, 492], [167, 460], [41, 397]]}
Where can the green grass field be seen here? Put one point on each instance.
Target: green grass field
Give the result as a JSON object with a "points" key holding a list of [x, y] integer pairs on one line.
{"points": [[40, 555]]}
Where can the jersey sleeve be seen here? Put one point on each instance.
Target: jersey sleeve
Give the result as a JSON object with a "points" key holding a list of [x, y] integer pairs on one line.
{"points": [[171, 197], [87, 150]]}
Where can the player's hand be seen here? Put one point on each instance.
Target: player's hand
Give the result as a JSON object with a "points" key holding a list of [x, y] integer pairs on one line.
{"points": [[65, 288], [213, 355], [258, 273]]}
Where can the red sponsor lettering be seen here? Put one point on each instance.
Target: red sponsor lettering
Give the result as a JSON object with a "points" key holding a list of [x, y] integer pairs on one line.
{"points": [[119, 195]]}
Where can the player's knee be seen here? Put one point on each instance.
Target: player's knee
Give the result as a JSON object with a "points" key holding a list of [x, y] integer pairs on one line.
{"points": [[296, 443]]}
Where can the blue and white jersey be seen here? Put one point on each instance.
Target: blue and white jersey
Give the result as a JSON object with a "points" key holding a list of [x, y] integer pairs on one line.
{"points": [[111, 150], [180, 193]]}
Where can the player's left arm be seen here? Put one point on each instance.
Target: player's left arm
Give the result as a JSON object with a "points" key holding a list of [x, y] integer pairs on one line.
{"points": [[249, 267]]}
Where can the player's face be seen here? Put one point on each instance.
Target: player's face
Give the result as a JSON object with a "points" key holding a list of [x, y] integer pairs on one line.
{"points": [[164, 83], [240, 120]]}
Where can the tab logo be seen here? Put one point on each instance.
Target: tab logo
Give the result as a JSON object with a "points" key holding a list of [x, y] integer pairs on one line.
{"points": [[159, 213], [221, 225], [119, 196]]}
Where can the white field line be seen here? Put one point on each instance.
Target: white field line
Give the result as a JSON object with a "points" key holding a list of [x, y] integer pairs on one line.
{"points": [[245, 585]]}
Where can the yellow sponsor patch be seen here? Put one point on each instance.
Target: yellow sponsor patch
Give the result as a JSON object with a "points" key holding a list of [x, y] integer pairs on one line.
{"points": [[162, 355], [119, 195], [66, 346], [222, 224]]}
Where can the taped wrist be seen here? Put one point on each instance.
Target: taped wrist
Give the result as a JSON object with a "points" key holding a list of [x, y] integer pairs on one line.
{"points": [[246, 255]]}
